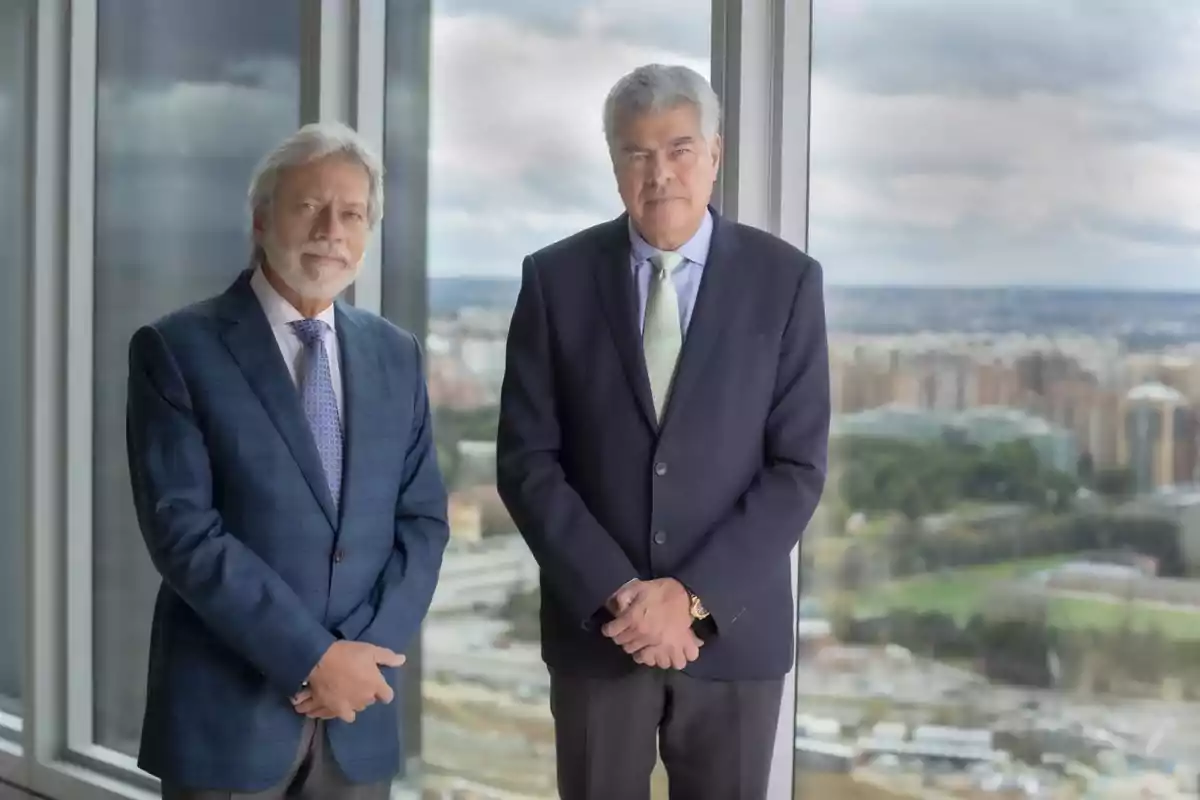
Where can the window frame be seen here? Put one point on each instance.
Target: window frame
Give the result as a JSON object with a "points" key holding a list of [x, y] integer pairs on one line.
{"points": [[760, 67]]}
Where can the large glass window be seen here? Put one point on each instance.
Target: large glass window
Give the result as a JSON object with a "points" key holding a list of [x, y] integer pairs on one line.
{"points": [[516, 160], [190, 95], [14, 340], [1001, 594]]}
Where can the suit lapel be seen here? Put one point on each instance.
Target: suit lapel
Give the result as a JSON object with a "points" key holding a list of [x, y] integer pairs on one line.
{"points": [[614, 280], [716, 302], [359, 364], [252, 343]]}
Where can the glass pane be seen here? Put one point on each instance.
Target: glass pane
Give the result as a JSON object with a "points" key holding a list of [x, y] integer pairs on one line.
{"points": [[516, 159], [1001, 589], [190, 95], [14, 343]]}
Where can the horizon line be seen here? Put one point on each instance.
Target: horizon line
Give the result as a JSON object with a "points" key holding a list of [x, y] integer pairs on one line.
{"points": [[1041, 287]]}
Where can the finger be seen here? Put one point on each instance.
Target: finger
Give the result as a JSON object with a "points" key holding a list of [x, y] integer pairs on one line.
{"points": [[617, 626], [678, 659], [347, 715], [690, 652], [301, 696], [384, 693], [629, 636], [321, 713], [387, 658], [644, 657], [307, 707], [639, 643], [662, 659], [624, 599]]}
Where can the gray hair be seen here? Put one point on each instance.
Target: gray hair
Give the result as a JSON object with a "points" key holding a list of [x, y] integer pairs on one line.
{"points": [[313, 142], [658, 87]]}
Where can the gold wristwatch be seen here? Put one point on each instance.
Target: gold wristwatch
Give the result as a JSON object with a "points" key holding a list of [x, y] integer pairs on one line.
{"points": [[696, 607]]}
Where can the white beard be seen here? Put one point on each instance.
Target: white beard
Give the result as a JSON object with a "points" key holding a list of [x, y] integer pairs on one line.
{"points": [[322, 282]]}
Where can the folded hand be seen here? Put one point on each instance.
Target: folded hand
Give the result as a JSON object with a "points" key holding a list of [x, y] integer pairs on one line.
{"points": [[347, 680], [654, 623]]}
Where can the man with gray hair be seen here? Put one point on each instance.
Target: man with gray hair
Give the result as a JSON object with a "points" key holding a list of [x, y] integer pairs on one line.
{"points": [[287, 489], [663, 428]]}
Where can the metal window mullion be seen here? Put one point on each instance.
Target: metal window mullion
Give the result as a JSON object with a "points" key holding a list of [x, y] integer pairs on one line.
{"points": [[342, 58], [761, 71], [45, 657], [79, 325]]}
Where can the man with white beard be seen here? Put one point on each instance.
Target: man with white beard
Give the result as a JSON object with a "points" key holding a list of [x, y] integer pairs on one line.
{"points": [[286, 485]]}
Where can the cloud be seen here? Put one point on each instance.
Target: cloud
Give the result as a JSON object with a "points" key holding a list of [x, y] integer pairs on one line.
{"points": [[179, 157], [907, 46], [145, 42], [933, 162], [517, 156], [680, 26], [996, 143]]}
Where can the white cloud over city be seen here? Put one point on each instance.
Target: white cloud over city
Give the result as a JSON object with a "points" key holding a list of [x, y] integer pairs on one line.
{"points": [[1032, 142], [1029, 143]]}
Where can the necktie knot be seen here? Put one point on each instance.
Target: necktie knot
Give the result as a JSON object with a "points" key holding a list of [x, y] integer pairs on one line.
{"points": [[665, 262], [310, 331]]}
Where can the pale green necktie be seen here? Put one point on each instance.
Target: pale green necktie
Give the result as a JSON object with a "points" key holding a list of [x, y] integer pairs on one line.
{"points": [[662, 334]]}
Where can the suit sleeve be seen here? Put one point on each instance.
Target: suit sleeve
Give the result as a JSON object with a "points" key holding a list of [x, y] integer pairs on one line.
{"points": [[584, 564], [241, 599], [406, 586], [769, 518]]}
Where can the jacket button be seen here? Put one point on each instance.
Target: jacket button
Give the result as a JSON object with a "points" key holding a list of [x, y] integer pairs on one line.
{"points": [[338, 555], [660, 537], [660, 468]]}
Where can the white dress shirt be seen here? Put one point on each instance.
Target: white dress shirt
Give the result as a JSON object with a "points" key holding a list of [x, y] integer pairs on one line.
{"points": [[279, 314]]}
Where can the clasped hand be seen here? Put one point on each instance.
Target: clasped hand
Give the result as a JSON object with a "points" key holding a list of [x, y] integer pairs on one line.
{"points": [[346, 680], [653, 623]]}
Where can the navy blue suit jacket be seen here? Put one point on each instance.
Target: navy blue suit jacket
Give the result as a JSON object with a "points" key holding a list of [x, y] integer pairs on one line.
{"points": [[718, 495], [259, 574]]}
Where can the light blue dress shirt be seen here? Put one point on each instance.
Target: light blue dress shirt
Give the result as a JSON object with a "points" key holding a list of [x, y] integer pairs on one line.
{"points": [[686, 277]]}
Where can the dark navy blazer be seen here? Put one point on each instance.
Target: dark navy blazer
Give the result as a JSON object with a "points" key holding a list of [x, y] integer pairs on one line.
{"points": [[717, 496], [259, 574]]}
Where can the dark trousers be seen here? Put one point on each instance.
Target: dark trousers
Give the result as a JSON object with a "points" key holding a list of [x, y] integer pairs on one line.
{"points": [[715, 737], [313, 776]]}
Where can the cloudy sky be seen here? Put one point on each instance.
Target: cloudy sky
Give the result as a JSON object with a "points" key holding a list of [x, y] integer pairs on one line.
{"points": [[1034, 141], [954, 141]]}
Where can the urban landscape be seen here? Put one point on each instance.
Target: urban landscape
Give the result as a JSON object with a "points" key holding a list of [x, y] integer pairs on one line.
{"points": [[999, 595]]}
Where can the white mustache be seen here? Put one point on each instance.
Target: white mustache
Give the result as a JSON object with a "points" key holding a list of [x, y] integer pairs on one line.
{"points": [[325, 252]]}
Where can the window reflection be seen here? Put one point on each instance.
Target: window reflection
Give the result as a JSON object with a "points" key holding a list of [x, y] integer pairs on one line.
{"points": [[14, 340], [189, 97]]}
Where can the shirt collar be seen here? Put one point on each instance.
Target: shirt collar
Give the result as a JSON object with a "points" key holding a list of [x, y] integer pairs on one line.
{"points": [[278, 310], [694, 249]]}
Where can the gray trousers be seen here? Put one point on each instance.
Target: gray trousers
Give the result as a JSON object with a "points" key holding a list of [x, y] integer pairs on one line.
{"points": [[313, 776], [716, 738]]}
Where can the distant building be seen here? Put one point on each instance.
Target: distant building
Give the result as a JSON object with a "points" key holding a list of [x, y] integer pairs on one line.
{"points": [[465, 516], [476, 462], [987, 426], [1181, 505], [1159, 441], [892, 422]]}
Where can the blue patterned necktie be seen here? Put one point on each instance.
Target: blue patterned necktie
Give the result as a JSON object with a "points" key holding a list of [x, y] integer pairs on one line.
{"points": [[320, 401]]}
